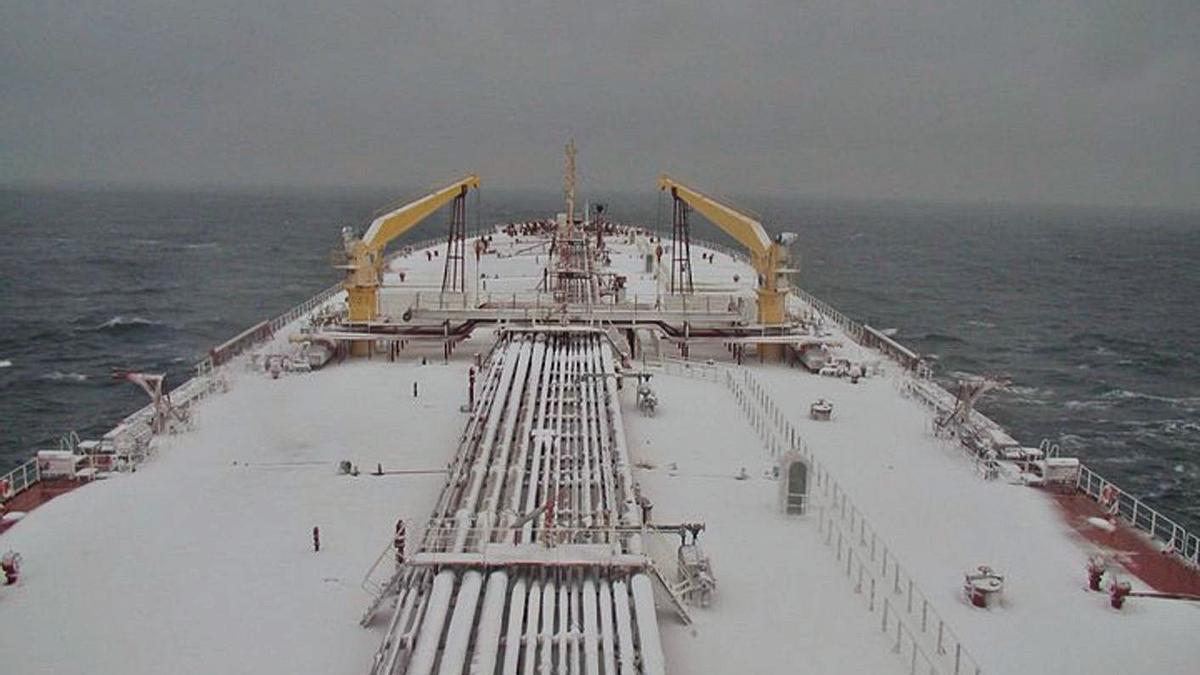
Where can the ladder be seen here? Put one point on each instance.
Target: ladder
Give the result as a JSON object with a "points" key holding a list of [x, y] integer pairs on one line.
{"points": [[672, 597]]}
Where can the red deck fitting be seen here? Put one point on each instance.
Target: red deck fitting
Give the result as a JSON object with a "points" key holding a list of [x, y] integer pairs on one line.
{"points": [[1132, 549], [37, 494]]}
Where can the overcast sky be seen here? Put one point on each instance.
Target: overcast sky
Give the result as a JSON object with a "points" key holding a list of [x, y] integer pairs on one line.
{"points": [[1066, 101]]}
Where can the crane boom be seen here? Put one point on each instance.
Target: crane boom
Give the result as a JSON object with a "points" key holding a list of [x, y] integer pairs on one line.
{"points": [[748, 231], [767, 256], [364, 256], [392, 224]]}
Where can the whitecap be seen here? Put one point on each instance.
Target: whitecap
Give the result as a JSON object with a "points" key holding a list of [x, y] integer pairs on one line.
{"points": [[120, 321], [1125, 394], [59, 376], [5, 363]]}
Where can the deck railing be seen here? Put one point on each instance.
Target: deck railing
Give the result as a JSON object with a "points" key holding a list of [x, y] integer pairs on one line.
{"points": [[1133, 510], [131, 437], [1137, 513], [918, 633], [19, 479]]}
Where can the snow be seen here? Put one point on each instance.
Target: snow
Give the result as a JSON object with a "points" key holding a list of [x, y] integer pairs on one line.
{"points": [[941, 520], [202, 561], [782, 603]]}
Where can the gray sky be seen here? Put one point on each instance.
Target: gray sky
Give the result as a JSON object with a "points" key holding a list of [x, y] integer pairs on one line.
{"points": [[1070, 101]]}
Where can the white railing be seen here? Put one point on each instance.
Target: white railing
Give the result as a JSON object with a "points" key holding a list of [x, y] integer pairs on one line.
{"points": [[851, 327], [1135, 512], [530, 305], [922, 637], [19, 479], [694, 369], [1130, 508]]}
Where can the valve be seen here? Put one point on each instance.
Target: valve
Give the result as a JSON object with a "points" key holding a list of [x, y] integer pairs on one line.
{"points": [[1095, 568], [10, 564], [1117, 592]]}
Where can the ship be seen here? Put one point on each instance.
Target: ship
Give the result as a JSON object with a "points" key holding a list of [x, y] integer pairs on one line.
{"points": [[578, 445]]}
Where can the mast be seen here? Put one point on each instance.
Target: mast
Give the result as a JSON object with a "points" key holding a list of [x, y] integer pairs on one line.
{"points": [[569, 185]]}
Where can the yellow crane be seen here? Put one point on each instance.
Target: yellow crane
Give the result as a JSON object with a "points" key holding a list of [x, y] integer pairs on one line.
{"points": [[364, 255], [768, 256]]}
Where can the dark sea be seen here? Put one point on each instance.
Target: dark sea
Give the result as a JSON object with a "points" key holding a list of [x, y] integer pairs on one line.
{"points": [[1094, 313]]}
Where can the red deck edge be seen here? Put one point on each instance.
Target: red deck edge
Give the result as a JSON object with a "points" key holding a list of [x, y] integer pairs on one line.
{"points": [[35, 495], [1140, 555]]}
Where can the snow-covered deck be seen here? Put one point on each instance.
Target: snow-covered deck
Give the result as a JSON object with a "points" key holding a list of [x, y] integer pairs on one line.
{"points": [[202, 561]]}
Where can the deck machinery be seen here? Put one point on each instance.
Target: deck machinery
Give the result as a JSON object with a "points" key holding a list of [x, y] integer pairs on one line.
{"points": [[572, 294]]}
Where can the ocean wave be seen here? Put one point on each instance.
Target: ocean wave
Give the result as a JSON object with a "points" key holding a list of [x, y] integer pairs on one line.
{"points": [[124, 323], [5, 363], [981, 324], [1180, 427], [941, 338], [188, 246], [1027, 393], [59, 376], [1127, 395]]}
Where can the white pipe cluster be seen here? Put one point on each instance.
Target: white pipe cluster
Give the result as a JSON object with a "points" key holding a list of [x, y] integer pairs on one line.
{"points": [[546, 431]]}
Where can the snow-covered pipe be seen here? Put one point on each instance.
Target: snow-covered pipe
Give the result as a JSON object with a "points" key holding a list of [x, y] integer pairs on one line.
{"points": [[546, 637], [609, 502], [499, 464], [458, 635], [606, 629], [653, 661], [512, 636], [591, 653], [517, 481], [630, 514], [430, 635], [553, 467], [586, 423], [404, 608], [491, 620], [563, 636], [576, 627], [466, 508], [453, 492], [624, 627], [533, 627], [540, 478], [603, 449], [539, 444]]}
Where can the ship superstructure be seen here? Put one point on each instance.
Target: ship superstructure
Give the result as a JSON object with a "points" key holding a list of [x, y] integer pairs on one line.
{"points": [[574, 445]]}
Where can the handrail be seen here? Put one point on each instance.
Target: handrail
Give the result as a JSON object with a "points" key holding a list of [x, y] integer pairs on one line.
{"points": [[922, 636], [1141, 516], [19, 479]]}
